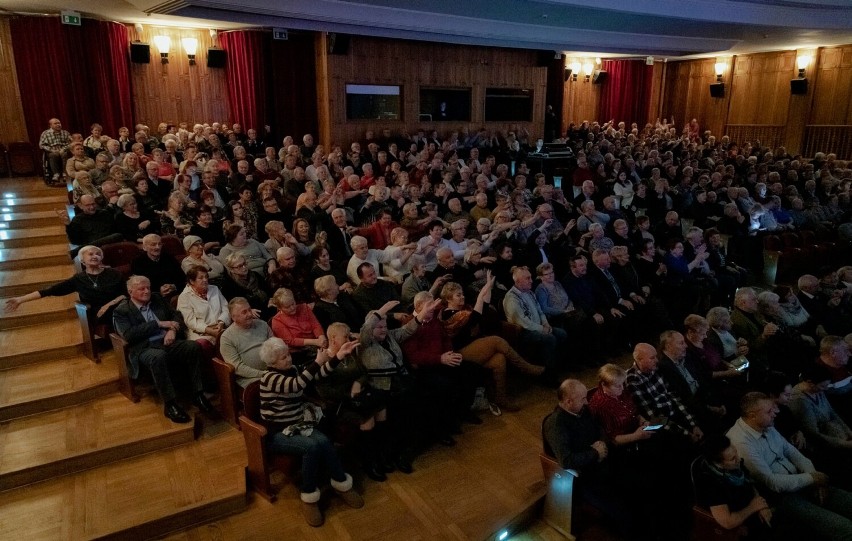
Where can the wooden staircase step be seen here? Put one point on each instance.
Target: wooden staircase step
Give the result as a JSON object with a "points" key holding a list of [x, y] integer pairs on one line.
{"points": [[30, 187], [82, 437], [22, 220], [21, 282], [34, 256], [50, 201], [42, 342], [39, 311], [34, 236], [50, 385], [136, 498]]}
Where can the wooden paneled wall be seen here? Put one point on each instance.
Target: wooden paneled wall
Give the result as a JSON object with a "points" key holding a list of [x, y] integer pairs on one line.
{"points": [[832, 80], [580, 101], [758, 102], [687, 95], [413, 64], [12, 126], [177, 92]]}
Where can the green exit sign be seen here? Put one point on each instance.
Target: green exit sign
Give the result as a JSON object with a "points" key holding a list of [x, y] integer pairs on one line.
{"points": [[71, 17]]}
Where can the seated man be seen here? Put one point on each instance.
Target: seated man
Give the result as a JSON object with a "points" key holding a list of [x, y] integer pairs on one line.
{"points": [[53, 142], [150, 326], [834, 355], [522, 309], [572, 436], [90, 225], [653, 398], [795, 488], [240, 343], [372, 293], [164, 273]]}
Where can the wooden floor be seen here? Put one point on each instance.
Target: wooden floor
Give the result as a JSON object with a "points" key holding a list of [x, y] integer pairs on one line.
{"points": [[103, 467]]}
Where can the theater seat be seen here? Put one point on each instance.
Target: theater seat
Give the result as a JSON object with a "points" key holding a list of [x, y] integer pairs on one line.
{"points": [[120, 255], [92, 330], [126, 385], [261, 463], [559, 497], [230, 403]]}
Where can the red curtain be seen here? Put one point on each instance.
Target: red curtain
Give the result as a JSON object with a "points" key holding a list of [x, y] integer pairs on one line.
{"points": [[79, 74], [294, 100], [626, 93], [245, 71]]}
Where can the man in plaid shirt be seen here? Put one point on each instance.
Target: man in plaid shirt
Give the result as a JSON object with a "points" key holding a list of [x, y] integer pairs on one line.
{"points": [[653, 398], [53, 141]]}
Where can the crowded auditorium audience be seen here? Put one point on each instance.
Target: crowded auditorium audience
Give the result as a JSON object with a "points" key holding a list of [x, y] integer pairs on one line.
{"points": [[655, 251]]}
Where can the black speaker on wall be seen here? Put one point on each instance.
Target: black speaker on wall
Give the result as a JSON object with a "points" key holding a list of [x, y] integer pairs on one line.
{"points": [[798, 86], [338, 43], [717, 90], [140, 53], [215, 58], [599, 77]]}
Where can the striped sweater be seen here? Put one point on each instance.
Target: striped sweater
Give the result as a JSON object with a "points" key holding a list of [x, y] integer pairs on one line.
{"points": [[281, 392]]}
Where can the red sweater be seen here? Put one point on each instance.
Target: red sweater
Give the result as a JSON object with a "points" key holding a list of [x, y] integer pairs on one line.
{"points": [[427, 345], [296, 328]]}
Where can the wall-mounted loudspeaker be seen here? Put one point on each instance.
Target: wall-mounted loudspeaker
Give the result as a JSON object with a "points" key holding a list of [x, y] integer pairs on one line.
{"points": [[338, 43], [717, 90], [140, 53], [599, 77], [215, 58], [798, 86]]}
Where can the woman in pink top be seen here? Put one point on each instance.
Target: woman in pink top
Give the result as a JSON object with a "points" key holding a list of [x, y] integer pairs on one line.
{"points": [[297, 326]]}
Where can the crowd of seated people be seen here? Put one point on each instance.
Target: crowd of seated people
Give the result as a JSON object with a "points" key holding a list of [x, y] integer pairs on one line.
{"points": [[394, 234]]}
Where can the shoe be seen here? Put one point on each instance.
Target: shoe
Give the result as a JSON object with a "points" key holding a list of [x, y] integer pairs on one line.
{"points": [[375, 472], [403, 464], [447, 441], [471, 418], [388, 463], [203, 403], [310, 508], [56, 177], [347, 493], [176, 414]]}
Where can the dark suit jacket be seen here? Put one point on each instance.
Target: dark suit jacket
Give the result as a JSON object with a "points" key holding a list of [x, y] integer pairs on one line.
{"points": [[131, 325], [605, 287]]}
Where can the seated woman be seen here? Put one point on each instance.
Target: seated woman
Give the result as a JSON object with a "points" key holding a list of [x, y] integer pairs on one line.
{"points": [[464, 325], [292, 426], [204, 309], [721, 347], [196, 256], [258, 258], [238, 281], [585, 336], [102, 288], [334, 305], [324, 266], [173, 221], [83, 185], [725, 487], [297, 326], [348, 389], [613, 407], [400, 252], [132, 223]]}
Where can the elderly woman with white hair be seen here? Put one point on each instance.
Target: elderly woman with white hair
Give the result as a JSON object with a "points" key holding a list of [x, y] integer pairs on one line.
{"points": [[362, 253], [292, 422], [132, 223], [297, 325], [102, 288]]}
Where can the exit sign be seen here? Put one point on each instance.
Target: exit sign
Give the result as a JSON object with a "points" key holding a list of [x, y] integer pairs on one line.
{"points": [[279, 33], [71, 17]]}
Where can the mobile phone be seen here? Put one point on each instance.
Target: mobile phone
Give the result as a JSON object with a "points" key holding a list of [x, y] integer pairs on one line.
{"points": [[651, 428], [557, 182]]}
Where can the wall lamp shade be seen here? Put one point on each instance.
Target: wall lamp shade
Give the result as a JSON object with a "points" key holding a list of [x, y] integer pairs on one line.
{"points": [[588, 68], [574, 68], [163, 44], [802, 63], [190, 45], [719, 68]]}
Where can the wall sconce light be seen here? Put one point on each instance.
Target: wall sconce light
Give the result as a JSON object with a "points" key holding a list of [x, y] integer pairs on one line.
{"points": [[190, 45], [163, 44], [802, 63], [574, 68], [720, 68], [588, 68]]}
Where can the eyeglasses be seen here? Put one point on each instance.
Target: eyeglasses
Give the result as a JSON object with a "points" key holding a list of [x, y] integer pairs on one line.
{"points": [[240, 266]]}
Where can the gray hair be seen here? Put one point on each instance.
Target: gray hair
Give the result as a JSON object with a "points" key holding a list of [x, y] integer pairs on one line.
{"points": [[272, 349]]}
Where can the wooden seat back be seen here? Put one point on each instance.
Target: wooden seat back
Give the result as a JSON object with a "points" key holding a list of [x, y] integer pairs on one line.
{"points": [[120, 255], [559, 497], [126, 385], [254, 433], [229, 392]]}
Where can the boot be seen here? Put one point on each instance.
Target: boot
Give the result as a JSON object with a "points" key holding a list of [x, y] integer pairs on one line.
{"points": [[500, 396], [385, 454], [370, 458], [521, 364], [345, 491], [310, 507]]}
